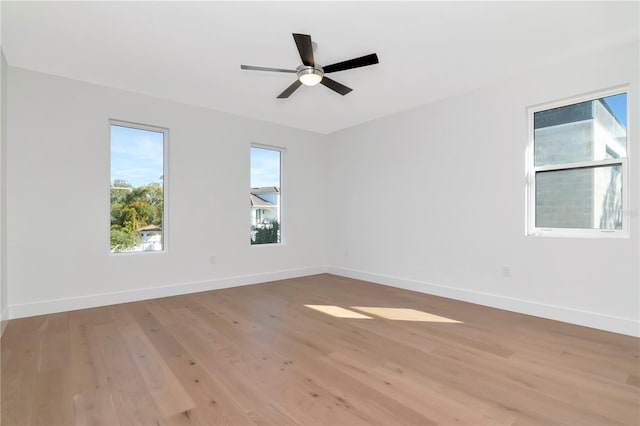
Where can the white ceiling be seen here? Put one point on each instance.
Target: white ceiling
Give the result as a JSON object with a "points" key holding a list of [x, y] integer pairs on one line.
{"points": [[191, 51]]}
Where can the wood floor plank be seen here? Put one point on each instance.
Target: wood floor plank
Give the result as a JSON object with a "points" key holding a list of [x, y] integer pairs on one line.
{"points": [[165, 388], [212, 403], [258, 355], [53, 399], [17, 398], [95, 407], [353, 395], [89, 365], [131, 398], [20, 373], [204, 344]]}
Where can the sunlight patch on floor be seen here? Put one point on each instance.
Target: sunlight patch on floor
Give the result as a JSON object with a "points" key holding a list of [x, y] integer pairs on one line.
{"points": [[395, 314], [337, 311], [403, 314]]}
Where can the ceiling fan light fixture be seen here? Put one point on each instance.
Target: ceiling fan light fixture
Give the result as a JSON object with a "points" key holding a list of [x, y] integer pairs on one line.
{"points": [[310, 76], [310, 73]]}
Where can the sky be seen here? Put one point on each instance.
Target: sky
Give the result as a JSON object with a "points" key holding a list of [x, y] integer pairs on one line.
{"points": [[265, 167], [136, 155], [618, 104]]}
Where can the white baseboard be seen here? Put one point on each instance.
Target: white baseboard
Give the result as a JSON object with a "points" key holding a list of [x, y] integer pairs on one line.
{"points": [[4, 319], [574, 316], [600, 321], [102, 299]]}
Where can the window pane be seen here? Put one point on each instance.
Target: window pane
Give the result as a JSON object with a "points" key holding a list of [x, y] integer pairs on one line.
{"points": [[587, 198], [264, 195], [137, 190], [587, 131]]}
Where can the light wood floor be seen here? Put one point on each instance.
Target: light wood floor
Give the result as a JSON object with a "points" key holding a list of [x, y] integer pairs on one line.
{"points": [[257, 355]]}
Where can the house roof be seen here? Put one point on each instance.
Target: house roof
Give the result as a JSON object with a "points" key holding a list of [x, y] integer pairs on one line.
{"points": [[264, 189], [259, 202], [149, 228]]}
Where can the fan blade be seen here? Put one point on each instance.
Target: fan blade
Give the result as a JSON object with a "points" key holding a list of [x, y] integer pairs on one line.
{"points": [[289, 90], [305, 48], [335, 86], [252, 68], [362, 61]]}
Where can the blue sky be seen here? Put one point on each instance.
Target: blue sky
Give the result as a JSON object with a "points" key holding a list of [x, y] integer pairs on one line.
{"points": [[136, 155], [265, 167], [618, 104]]}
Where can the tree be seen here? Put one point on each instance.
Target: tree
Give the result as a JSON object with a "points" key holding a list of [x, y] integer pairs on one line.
{"points": [[130, 220], [131, 209], [119, 191], [121, 183], [122, 240], [267, 235]]}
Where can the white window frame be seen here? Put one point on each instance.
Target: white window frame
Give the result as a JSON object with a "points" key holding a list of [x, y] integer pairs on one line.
{"points": [[532, 169], [165, 184], [281, 207]]}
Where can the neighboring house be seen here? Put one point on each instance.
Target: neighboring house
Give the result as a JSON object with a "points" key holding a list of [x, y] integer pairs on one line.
{"points": [[151, 236], [265, 205]]}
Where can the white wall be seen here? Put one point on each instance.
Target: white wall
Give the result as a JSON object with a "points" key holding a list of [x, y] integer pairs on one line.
{"points": [[433, 199], [4, 312], [58, 198]]}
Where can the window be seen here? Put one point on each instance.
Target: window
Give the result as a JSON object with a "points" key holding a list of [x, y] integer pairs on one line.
{"points": [[137, 188], [265, 195], [577, 163]]}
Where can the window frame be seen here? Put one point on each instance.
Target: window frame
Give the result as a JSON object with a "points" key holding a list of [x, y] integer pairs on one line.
{"points": [[281, 208], [531, 169], [165, 184]]}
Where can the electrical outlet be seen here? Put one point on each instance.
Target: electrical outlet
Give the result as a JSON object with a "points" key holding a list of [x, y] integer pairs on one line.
{"points": [[506, 271], [212, 260]]}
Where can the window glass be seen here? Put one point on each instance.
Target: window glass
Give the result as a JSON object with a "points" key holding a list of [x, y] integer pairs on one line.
{"points": [[137, 189], [585, 131], [265, 195], [577, 170], [589, 197]]}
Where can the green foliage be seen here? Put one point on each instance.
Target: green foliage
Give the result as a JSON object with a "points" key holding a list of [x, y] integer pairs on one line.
{"points": [[268, 235], [122, 240], [133, 208], [120, 183]]}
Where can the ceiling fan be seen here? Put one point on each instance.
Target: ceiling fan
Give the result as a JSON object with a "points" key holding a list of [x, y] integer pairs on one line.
{"points": [[310, 73]]}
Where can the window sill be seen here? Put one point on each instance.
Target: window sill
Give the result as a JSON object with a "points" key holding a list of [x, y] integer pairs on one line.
{"points": [[579, 233]]}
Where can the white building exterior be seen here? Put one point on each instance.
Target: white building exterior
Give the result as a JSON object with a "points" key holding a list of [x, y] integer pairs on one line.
{"points": [[265, 206], [589, 198]]}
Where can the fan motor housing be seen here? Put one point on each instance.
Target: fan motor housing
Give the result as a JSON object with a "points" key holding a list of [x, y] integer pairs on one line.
{"points": [[303, 70]]}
